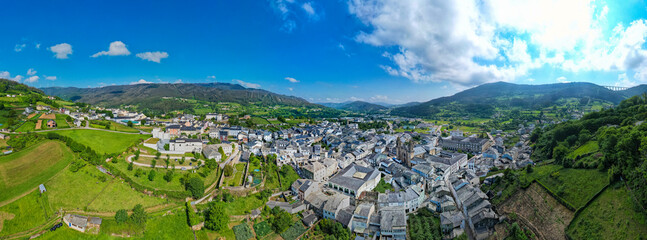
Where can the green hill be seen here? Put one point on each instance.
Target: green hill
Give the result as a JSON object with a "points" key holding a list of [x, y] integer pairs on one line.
{"points": [[485, 100]]}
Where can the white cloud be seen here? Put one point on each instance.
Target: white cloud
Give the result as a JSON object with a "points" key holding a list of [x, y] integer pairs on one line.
{"points": [[52, 78], [178, 81], [117, 48], [37, 45], [7, 75], [211, 77], [282, 8], [153, 56], [353, 98], [475, 41], [292, 80], [32, 79], [562, 79], [61, 50], [379, 98], [310, 11], [31, 72], [247, 84], [291, 89], [530, 80], [623, 81], [141, 81], [19, 47]]}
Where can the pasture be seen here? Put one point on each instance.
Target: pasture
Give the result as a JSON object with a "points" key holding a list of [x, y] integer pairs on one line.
{"points": [[23, 171], [103, 141]]}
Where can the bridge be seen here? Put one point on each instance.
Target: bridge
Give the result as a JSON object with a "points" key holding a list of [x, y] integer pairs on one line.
{"points": [[616, 88]]}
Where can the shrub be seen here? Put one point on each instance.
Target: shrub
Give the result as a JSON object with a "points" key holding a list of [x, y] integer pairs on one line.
{"points": [[121, 216]]}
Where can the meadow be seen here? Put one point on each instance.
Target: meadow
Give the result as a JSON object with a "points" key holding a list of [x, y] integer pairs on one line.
{"points": [[103, 141], [25, 213], [23, 171], [610, 216]]}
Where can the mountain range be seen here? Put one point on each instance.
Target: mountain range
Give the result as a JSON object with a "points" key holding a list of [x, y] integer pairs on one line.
{"points": [[483, 100], [356, 106]]}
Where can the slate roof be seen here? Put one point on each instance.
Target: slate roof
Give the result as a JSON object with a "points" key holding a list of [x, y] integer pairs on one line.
{"points": [[354, 176]]}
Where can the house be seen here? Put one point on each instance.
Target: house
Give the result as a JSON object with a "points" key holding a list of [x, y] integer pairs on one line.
{"points": [[466, 144], [309, 218], [314, 170], [211, 152], [408, 200], [41, 188], [354, 180], [334, 204], [393, 224], [51, 123], [82, 223], [361, 216], [185, 145]]}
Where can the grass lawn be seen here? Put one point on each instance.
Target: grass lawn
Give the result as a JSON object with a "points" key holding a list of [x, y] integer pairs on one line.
{"points": [[102, 141], [25, 213], [113, 126], [68, 233], [258, 120], [173, 226], [237, 178], [119, 195], [60, 121], [589, 147], [26, 169], [75, 190], [243, 205], [28, 126], [383, 186], [262, 228], [226, 233], [158, 182], [611, 216]]}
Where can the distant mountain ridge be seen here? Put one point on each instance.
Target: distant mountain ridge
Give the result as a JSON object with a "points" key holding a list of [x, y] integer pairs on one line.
{"points": [[133, 94], [481, 101], [356, 106]]}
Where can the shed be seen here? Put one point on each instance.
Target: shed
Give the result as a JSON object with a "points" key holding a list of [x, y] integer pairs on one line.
{"points": [[41, 188]]}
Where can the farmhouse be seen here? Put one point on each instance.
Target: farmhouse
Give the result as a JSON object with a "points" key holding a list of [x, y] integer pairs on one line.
{"points": [[51, 123], [82, 223]]}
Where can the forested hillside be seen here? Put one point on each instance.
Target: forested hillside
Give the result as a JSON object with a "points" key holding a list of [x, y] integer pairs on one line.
{"points": [[612, 140]]}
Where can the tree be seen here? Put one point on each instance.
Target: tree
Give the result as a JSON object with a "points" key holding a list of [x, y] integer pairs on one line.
{"points": [[529, 168], [166, 147], [153, 163], [139, 215], [130, 124], [229, 170], [139, 172], [151, 175], [559, 153], [195, 186], [280, 220], [121, 216], [215, 218], [168, 176], [130, 166], [182, 160], [157, 155]]}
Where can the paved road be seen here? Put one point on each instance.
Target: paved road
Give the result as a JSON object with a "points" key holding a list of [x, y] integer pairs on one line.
{"points": [[89, 128]]}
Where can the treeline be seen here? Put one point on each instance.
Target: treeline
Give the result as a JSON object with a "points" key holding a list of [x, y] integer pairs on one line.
{"points": [[622, 142]]}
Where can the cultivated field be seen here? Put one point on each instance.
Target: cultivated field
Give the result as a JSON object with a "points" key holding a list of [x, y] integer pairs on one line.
{"points": [[25, 170], [102, 141], [610, 216], [535, 208]]}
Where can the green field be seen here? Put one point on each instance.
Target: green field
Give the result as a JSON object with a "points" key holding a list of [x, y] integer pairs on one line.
{"points": [[119, 195], [237, 178], [611, 216], [173, 226], [25, 213], [243, 232], [102, 141], [589, 147], [262, 228], [26, 169], [61, 122], [100, 124], [158, 182], [244, 205], [577, 185]]}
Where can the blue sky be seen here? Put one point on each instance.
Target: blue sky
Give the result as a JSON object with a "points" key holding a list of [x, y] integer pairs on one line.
{"points": [[392, 51]]}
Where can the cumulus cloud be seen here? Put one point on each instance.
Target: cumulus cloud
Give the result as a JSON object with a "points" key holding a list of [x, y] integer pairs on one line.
{"points": [[353, 98], [211, 77], [141, 81], [379, 98], [178, 81], [31, 72], [291, 89], [310, 11], [623, 81], [476, 41], [292, 80], [19, 47], [37, 45], [52, 78], [7, 75], [32, 79], [562, 79], [247, 84], [117, 48], [61, 51], [152, 56]]}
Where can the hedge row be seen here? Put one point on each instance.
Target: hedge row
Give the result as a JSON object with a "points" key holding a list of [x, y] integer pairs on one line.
{"points": [[558, 198]]}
